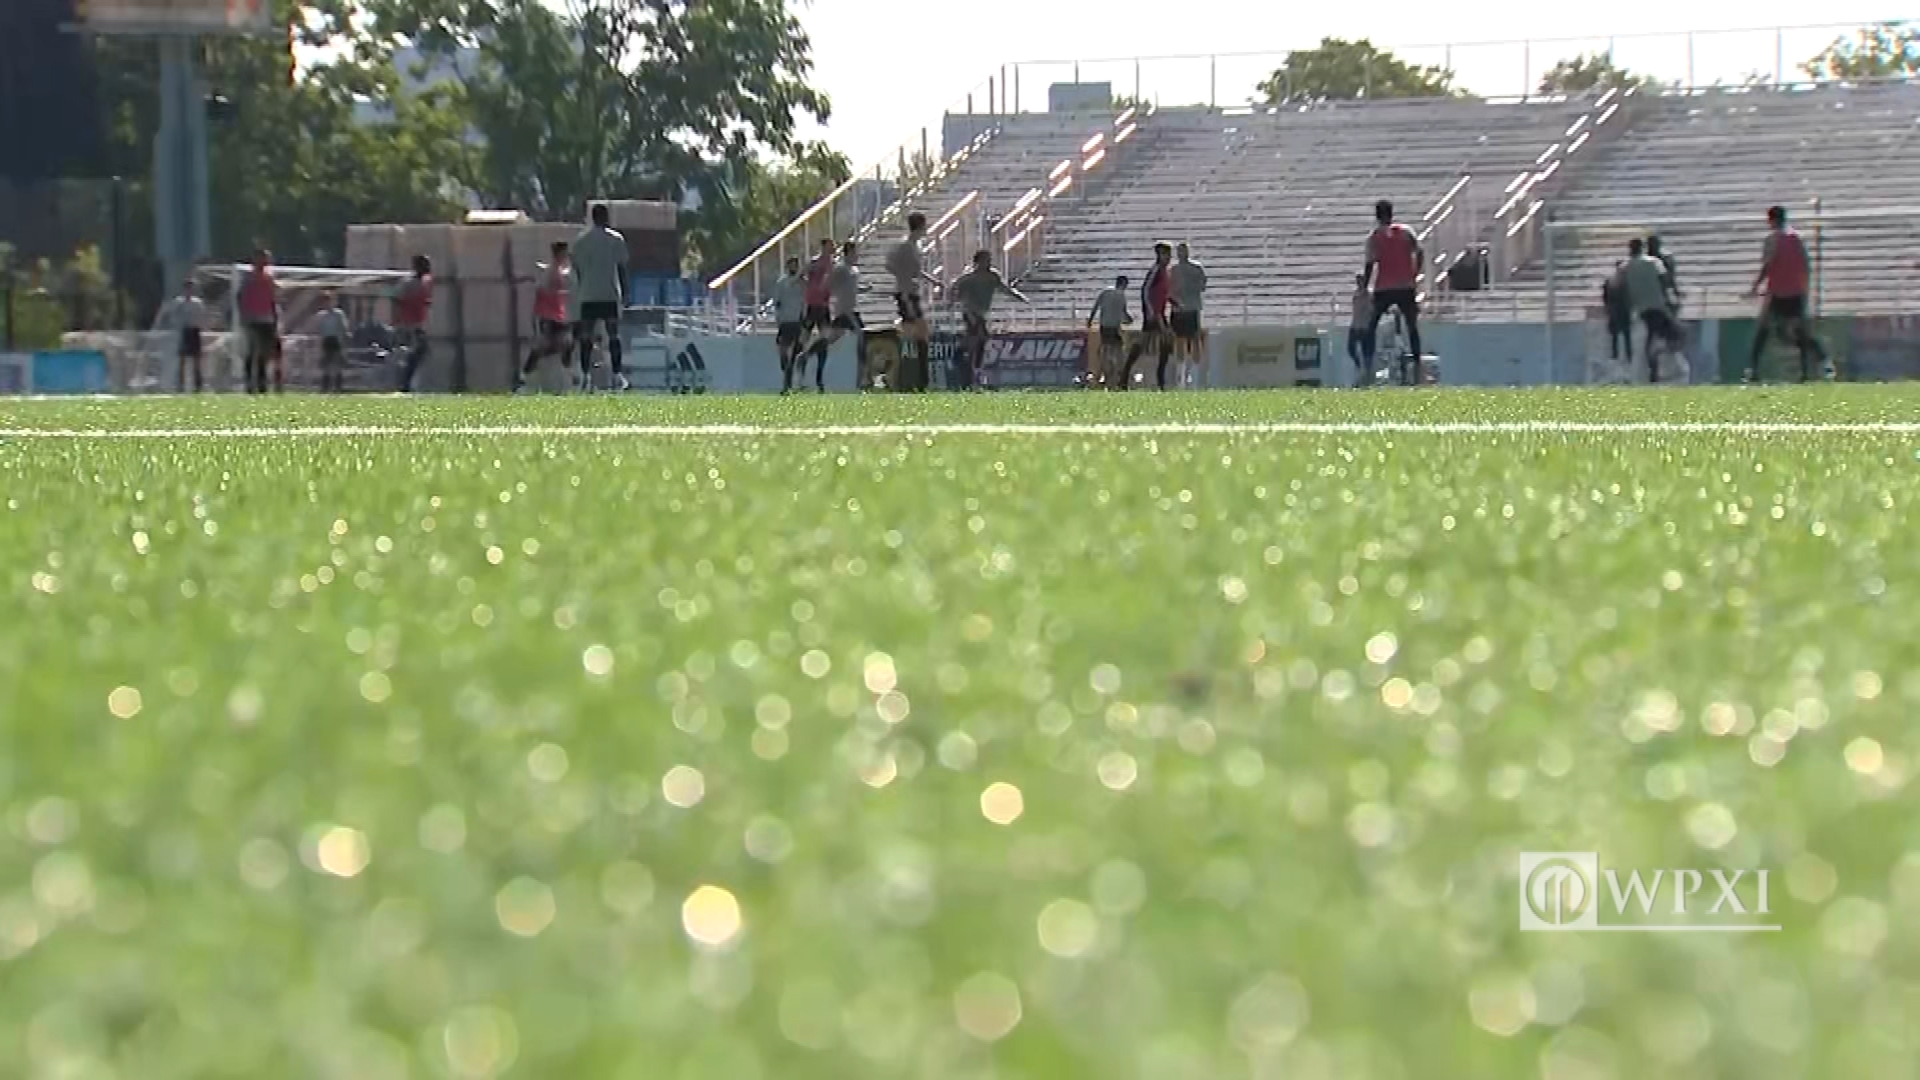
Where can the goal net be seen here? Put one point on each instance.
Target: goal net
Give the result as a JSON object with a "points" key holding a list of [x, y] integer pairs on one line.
{"points": [[148, 362]]}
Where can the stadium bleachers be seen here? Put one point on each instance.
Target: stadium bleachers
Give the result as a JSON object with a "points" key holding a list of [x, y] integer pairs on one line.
{"points": [[1722, 157], [1276, 201]]}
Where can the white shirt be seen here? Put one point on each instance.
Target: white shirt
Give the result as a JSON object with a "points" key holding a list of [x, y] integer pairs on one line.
{"points": [[790, 299], [332, 323], [1189, 282], [182, 313], [598, 257], [903, 262], [1111, 308], [844, 282]]}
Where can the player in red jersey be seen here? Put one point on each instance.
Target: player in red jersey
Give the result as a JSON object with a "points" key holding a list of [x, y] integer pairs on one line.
{"points": [[552, 304], [411, 308], [819, 315], [1156, 296], [1786, 272], [1394, 258], [259, 303]]}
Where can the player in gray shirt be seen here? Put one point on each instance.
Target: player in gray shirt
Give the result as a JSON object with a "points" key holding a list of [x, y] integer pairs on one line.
{"points": [[1110, 311], [903, 263], [843, 289], [789, 317], [1188, 281], [1643, 280], [600, 288], [975, 291], [332, 325]]}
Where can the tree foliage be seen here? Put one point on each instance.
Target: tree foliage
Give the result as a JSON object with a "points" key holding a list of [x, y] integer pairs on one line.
{"points": [[758, 200], [1340, 70], [294, 156], [1587, 73], [657, 98], [1878, 51]]}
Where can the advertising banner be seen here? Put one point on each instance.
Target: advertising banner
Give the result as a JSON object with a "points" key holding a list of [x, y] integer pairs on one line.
{"points": [[1268, 357], [16, 373], [1883, 348], [70, 372], [1040, 359]]}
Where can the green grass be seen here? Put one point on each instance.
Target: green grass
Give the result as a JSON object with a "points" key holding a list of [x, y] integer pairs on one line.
{"points": [[358, 756]]}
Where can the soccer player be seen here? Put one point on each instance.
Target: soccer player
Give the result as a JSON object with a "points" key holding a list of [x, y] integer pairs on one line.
{"points": [[1360, 340], [1156, 294], [844, 288], [819, 318], [600, 282], [1669, 275], [1642, 280], [186, 316], [904, 264], [411, 311], [1110, 311], [1393, 266], [552, 299], [975, 291], [790, 320], [1785, 270], [1619, 315], [1189, 283], [259, 303], [332, 325]]}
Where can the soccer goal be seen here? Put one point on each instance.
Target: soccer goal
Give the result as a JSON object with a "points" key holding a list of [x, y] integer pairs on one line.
{"points": [[148, 361]]}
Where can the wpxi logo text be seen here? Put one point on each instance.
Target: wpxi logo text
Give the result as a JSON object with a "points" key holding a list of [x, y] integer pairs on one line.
{"points": [[1563, 891]]}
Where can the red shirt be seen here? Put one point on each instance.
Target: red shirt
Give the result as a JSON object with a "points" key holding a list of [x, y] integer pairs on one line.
{"points": [[1786, 263], [550, 298], [415, 300], [259, 297], [1391, 249], [819, 289], [1157, 292]]}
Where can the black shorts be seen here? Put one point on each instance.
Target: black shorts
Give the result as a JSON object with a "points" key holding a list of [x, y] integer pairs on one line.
{"points": [[1186, 325], [847, 322], [603, 311], [1660, 324], [818, 317], [973, 326], [1151, 325], [190, 339], [788, 333], [1385, 300], [909, 307], [1786, 307], [554, 330], [1110, 335], [333, 353], [263, 338]]}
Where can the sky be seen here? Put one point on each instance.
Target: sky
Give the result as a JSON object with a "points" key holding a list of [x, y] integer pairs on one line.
{"points": [[859, 53]]}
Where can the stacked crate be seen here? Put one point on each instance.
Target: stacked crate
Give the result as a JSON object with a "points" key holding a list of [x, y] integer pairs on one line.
{"points": [[484, 279]]}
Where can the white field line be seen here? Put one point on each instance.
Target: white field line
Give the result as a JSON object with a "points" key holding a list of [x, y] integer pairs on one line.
{"points": [[670, 431]]}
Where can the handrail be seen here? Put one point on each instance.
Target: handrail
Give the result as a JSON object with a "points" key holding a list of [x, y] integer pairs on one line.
{"points": [[793, 226]]}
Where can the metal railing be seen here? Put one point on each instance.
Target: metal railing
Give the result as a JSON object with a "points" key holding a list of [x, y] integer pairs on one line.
{"points": [[1019, 242]]}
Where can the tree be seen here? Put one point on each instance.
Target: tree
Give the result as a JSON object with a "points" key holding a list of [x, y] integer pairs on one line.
{"points": [[1878, 51], [1340, 70], [293, 157], [759, 200], [1589, 72], [619, 97]]}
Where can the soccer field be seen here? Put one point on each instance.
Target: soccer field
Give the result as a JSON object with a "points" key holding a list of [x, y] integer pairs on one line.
{"points": [[1039, 736]]}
